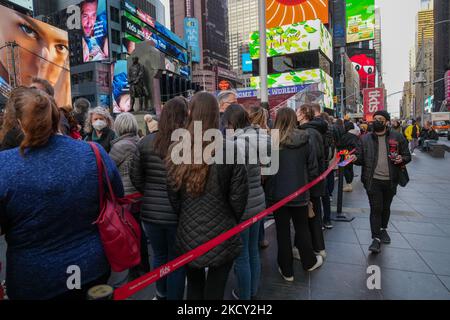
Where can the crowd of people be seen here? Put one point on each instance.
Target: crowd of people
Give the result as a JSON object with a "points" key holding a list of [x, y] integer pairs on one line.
{"points": [[49, 190]]}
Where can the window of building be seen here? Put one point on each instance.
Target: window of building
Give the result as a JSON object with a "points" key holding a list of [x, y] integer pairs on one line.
{"points": [[115, 14], [115, 35]]}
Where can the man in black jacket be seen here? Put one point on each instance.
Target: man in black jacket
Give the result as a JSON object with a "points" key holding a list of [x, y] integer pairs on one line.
{"points": [[382, 154]]}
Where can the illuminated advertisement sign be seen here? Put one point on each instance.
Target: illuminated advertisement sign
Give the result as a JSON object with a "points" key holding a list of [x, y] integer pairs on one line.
{"points": [[140, 32], [42, 50], [294, 38], [360, 20], [247, 63], [295, 78], [150, 21], [283, 12], [364, 61], [272, 91], [191, 35], [373, 102], [94, 25], [121, 89]]}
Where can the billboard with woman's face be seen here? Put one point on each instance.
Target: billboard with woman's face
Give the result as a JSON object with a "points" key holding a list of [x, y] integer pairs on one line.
{"points": [[42, 52], [94, 25], [121, 88]]}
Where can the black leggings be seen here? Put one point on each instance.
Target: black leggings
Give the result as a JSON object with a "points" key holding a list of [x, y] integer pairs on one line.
{"points": [[207, 287]]}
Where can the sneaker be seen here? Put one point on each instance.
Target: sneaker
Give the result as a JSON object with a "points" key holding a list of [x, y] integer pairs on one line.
{"points": [[413, 154], [264, 244], [235, 294], [375, 247], [385, 237], [289, 279], [296, 253], [321, 253], [318, 264], [328, 225]]}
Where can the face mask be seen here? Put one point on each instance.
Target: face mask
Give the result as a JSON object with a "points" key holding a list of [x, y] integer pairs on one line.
{"points": [[378, 126], [99, 125]]}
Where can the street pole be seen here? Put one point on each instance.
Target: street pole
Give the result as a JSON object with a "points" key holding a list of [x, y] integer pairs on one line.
{"points": [[342, 81], [263, 55]]}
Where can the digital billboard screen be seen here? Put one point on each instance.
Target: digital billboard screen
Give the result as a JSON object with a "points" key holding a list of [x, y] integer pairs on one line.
{"points": [[191, 34], [360, 18], [364, 62], [94, 25], [43, 52], [298, 37], [121, 88], [247, 63], [283, 12]]}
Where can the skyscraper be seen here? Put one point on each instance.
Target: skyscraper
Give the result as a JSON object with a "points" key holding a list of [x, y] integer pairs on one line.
{"points": [[242, 21], [377, 44], [441, 50], [212, 16]]}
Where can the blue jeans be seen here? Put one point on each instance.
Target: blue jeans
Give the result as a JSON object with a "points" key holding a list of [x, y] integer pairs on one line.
{"points": [[247, 266], [162, 240]]}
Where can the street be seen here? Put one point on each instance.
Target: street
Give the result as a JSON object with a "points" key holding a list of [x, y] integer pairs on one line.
{"points": [[415, 266]]}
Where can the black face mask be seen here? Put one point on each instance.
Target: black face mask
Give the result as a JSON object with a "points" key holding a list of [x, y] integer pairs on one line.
{"points": [[378, 126]]}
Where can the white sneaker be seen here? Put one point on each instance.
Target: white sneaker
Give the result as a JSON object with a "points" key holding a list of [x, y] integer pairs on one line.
{"points": [[289, 279], [413, 154], [322, 253], [296, 253], [318, 264]]}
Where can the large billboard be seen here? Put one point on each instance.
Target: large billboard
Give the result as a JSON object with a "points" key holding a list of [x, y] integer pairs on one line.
{"points": [[364, 61], [43, 52], [283, 12], [191, 35], [94, 26], [373, 102], [360, 20], [294, 38]]}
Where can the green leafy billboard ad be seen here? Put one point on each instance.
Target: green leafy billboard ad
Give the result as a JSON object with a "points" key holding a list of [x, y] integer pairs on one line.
{"points": [[294, 38], [300, 78], [360, 20]]}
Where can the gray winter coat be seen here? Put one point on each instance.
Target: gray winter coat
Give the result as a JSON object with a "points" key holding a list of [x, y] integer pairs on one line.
{"points": [[122, 151]]}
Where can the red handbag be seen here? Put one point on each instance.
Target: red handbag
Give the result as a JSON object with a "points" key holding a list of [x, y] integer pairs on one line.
{"points": [[119, 231]]}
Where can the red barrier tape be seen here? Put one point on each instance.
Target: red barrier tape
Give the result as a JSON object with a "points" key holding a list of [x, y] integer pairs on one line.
{"points": [[141, 283]]}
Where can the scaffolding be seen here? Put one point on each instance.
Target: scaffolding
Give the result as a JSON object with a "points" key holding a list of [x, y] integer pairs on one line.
{"points": [[12, 64]]}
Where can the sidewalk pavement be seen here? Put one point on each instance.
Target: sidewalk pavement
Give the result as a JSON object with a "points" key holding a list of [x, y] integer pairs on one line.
{"points": [[415, 266]]}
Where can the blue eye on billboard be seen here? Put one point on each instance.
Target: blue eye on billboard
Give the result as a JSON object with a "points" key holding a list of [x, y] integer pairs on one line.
{"points": [[247, 63]]}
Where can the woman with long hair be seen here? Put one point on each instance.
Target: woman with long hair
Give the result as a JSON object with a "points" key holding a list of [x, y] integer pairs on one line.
{"points": [[298, 166], [48, 202], [149, 176], [249, 140], [210, 199]]}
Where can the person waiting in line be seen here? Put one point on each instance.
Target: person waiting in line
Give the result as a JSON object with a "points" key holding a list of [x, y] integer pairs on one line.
{"points": [[99, 127], [48, 201], [149, 176], [412, 134], [349, 142], [298, 166], [226, 98], [81, 107], [315, 129], [248, 140], [381, 155], [258, 117], [122, 151], [210, 199]]}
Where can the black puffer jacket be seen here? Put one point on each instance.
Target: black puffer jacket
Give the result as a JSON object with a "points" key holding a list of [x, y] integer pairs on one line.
{"points": [[217, 210], [316, 129], [367, 156], [250, 142], [349, 142], [298, 166], [149, 176], [122, 152]]}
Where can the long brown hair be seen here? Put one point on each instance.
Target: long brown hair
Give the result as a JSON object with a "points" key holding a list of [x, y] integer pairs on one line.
{"points": [[259, 116], [173, 116], [37, 113], [204, 108], [285, 122]]}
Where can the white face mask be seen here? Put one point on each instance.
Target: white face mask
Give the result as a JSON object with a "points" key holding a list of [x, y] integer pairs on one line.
{"points": [[99, 125]]}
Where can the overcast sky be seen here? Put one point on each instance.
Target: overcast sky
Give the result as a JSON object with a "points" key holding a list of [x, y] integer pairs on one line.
{"points": [[398, 36]]}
